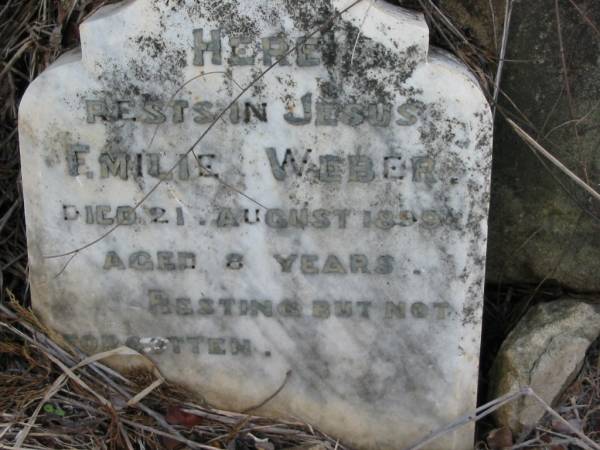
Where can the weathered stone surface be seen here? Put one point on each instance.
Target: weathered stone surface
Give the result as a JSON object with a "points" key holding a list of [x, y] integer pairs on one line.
{"points": [[545, 351], [330, 233], [537, 230]]}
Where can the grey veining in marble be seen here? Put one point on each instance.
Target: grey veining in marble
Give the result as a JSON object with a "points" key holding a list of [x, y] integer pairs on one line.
{"points": [[332, 224]]}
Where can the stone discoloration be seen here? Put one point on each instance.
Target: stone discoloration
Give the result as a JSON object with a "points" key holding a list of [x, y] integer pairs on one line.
{"points": [[335, 215]]}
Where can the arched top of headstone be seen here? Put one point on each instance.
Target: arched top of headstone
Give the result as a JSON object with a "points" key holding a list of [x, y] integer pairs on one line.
{"points": [[126, 22]]}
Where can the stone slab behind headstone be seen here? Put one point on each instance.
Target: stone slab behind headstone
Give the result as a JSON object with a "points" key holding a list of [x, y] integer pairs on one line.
{"points": [[335, 229], [538, 231]]}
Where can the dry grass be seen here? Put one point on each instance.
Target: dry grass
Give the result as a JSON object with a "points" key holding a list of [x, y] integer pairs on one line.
{"points": [[33, 33], [53, 397]]}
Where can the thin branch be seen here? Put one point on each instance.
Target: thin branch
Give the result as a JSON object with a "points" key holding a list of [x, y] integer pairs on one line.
{"points": [[270, 397], [592, 25], [494, 26], [502, 56], [536, 146]]}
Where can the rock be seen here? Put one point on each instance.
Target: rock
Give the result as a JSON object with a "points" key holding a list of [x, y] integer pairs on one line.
{"points": [[545, 351], [477, 19], [537, 229]]}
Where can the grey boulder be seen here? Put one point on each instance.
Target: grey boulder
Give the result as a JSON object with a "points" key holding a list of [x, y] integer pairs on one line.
{"points": [[545, 351]]}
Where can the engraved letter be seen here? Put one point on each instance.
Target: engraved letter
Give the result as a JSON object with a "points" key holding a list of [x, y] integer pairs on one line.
{"points": [[165, 261], [307, 52], [279, 169], [141, 261], [183, 306], [359, 263], [327, 113], [242, 347], [364, 309], [333, 265], [75, 159], [265, 307], [115, 165], [101, 219], [260, 112], [380, 114], [321, 309], [299, 218], [213, 46], [241, 48], [123, 112], [227, 304], [216, 346], [96, 108], [361, 169], [176, 343], [385, 265], [419, 310], [307, 264], [289, 308], [407, 113], [206, 306], [125, 215], [186, 260], [343, 309], [352, 115], [331, 170], [159, 302], [112, 260], [442, 310], [307, 112], [226, 219], [204, 114], [395, 311], [154, 167], [178, 110], [286, 263], [275, 47], [153, 113], [423, 168], [275, 218], [320, 218]]}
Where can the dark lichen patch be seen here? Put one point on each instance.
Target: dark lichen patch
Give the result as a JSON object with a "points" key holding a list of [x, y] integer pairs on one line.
{"points": [[365, 68], [308, 16], [225, 13], [153, 46]]}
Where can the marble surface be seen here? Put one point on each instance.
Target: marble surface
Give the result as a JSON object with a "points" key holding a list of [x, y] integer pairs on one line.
{"points": [[330, 229]]}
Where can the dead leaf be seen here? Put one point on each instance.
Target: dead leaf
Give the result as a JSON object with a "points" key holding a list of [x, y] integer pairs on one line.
{"points": [[561, 427], [177, 416]]}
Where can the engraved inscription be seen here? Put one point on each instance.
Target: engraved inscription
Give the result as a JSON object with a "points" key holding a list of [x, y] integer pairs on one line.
{"points": [[161, 303], [306, 109], [211, 346]]}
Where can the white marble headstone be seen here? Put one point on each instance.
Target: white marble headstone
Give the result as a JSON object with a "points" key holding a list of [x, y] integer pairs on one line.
{"points": [[331, 225]]}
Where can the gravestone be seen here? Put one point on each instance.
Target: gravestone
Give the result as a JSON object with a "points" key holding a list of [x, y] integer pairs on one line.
{"points": [[265, 194]]}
